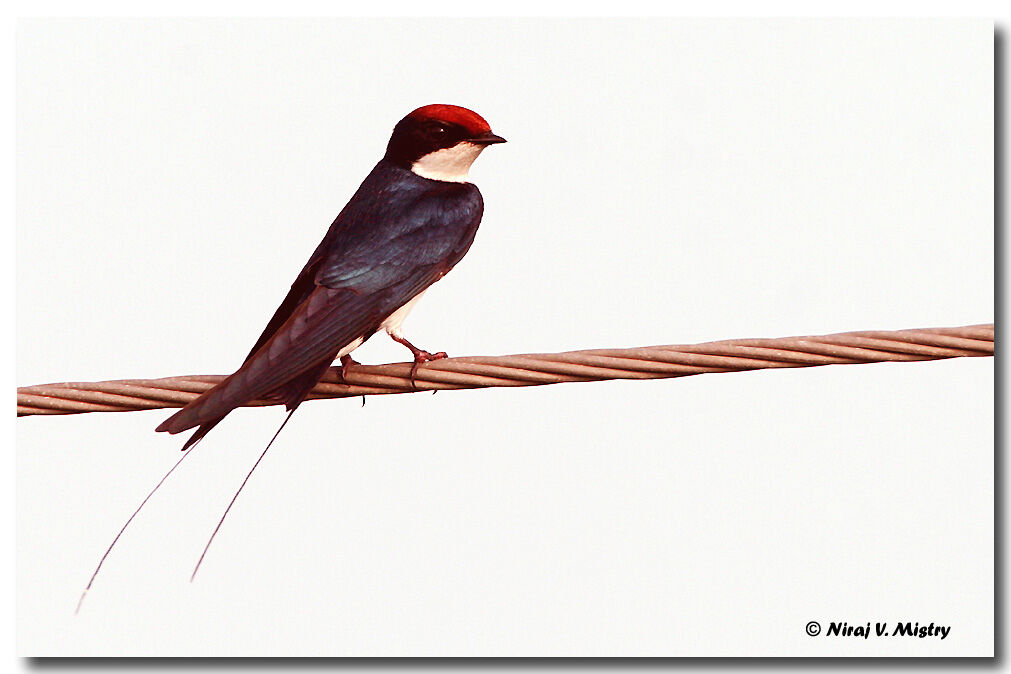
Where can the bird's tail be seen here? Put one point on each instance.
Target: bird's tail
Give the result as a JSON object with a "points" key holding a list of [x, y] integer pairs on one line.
{"points": [[204, 413], [212, 406], [199, 434], [292, 394], [237, 492]]}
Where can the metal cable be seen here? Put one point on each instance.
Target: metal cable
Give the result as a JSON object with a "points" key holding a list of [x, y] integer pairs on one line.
{"points": [[651, 362]]}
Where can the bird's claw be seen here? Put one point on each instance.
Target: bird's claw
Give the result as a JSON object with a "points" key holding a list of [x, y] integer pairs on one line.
{"points": [[346, 363], [420, 357]]}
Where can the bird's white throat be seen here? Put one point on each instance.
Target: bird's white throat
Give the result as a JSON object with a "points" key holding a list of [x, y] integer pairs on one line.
{"points": [[450, 164]]}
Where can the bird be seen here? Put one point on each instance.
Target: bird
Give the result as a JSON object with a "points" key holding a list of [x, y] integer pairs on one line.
{"points": [[410, 222]]}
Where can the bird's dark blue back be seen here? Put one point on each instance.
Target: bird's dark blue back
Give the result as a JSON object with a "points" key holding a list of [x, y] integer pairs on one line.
{"points": [[395, 218]]}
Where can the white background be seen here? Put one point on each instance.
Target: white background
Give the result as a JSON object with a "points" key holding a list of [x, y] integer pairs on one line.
{"points": [[665, 182]]}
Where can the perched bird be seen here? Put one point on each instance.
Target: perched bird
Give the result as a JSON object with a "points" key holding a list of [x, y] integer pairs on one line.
{"points": [[409, 223], [413, 218]]}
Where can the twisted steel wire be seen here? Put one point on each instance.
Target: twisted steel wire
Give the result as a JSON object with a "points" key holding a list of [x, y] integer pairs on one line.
{"points": [[651, 362]]}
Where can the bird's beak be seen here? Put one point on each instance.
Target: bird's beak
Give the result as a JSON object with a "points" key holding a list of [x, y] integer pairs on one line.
{"points": [[488, 138]]}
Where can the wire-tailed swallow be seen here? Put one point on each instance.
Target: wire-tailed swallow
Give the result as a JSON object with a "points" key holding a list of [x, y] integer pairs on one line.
{"points": [[413, 218]]}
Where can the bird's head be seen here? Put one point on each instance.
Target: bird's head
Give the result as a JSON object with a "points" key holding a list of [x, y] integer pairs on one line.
{"points": [[440, 141]]}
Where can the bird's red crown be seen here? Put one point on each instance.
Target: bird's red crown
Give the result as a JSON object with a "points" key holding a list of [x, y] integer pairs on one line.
{"points": [[453, 114]]}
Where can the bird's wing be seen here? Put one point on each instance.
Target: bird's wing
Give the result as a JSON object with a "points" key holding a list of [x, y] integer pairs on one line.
{"points": [[304, 284], [355, 289], [350, 245], [298, 293]]}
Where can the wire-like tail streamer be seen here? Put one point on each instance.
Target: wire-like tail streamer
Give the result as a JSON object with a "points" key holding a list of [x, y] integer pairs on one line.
{"points": [[115, 540], [236, 495]]}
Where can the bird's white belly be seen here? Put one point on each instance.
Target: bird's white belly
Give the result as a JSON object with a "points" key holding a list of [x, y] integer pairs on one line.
{"points": [[392, 324]]}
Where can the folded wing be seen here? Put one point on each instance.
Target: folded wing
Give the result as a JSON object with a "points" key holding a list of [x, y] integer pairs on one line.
{"points": [[342, 294]]}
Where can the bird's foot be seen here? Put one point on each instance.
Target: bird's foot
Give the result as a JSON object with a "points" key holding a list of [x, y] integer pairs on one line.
{"points": [[420, 356], [424, 357], [347, 362]]}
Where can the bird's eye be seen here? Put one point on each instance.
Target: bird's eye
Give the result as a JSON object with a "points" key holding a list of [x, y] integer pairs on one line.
{"points": [[440, 130]]}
